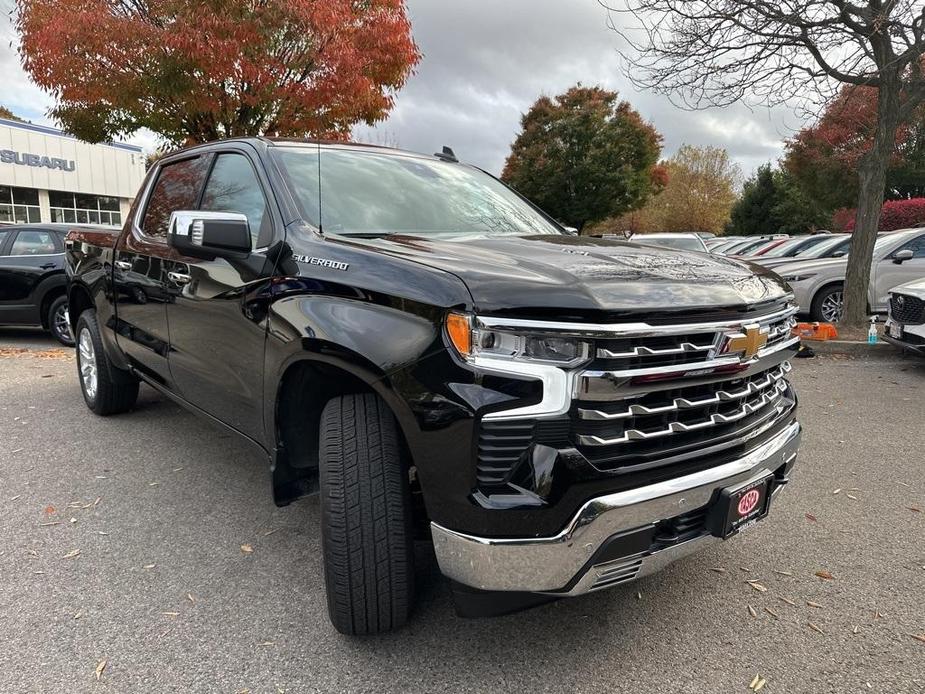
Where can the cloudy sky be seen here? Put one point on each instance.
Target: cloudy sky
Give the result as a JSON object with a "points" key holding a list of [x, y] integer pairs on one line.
{"points": [[485, 62]]}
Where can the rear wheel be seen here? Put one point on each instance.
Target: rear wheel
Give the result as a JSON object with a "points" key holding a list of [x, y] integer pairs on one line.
{"points": [[57, 321], [367, 537], [828, 304], [106, 388]]}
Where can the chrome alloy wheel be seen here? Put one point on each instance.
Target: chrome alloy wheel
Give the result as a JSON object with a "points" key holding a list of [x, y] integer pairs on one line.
{"points": [[86, 358], [60, 324], [832, 306]]}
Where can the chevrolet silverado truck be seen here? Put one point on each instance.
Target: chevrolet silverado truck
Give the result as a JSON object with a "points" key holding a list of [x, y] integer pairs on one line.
{"points": [[436, 359]]}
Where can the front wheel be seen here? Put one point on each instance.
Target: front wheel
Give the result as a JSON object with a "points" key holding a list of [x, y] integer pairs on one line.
{"points": [[828, 304], [106, 388], [367, 538], [57, 320]]}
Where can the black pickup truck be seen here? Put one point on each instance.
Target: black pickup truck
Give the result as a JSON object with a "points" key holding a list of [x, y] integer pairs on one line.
{"points": [[442, 361]]}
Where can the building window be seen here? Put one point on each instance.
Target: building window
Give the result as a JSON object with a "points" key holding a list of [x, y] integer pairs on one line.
{"points": [[20, 205], [78, 208]]}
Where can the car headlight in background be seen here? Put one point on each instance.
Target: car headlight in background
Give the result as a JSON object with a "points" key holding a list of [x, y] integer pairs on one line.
{"points": [[799, 277], [473, 342]]}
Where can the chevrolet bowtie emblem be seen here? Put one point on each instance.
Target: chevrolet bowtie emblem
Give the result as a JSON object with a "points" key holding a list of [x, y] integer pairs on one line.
{"points": [[748, 342]]}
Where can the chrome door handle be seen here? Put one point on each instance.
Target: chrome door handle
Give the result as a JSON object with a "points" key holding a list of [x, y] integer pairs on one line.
{"points": [[178, 277], [123, 265]]}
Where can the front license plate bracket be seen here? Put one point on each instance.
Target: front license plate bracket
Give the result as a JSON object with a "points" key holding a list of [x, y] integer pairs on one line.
{"points": [[738, 507]]}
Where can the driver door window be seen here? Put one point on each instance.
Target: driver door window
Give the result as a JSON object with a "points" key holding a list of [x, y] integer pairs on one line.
{"points": [[233, 186]]}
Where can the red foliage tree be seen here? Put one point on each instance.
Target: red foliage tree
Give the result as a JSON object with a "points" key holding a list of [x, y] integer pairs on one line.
{"points": [[198, 71], [824, 157], [896, 214]]}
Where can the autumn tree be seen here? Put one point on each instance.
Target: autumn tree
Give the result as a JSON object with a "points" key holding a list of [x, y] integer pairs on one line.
{"points": [[194, 71], [9, 115], [773, 203], [718, 52], [700, 192], [584, 156], [824, 156]]}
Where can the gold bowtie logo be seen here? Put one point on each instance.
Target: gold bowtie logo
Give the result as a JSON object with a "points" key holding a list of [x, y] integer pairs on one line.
{"points": [[748, 342]]}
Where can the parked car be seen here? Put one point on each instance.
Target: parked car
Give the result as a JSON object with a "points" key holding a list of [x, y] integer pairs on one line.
{"points": [[818, 285], [757, 248], [439, 359], [831, 246], [32, 279], [905, 323], [679, 241]]}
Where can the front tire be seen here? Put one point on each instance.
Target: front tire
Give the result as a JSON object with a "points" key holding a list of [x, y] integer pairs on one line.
{"points": [[106, 388], [367, 538], [828, 304], [57, 321]]}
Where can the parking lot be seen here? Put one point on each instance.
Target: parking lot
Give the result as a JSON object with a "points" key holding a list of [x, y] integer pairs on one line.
{"points": [[143, 553]]}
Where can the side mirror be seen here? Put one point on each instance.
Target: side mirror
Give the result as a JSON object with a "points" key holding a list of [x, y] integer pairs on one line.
{"points": [[899, 257], [202, 234], [840, 254]]}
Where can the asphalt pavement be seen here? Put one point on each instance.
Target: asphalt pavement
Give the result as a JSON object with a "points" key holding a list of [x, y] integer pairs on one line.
{"points": [[143, 553]]}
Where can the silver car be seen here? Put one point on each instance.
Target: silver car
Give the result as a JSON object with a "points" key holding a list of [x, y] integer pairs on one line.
{"points": [[905, 324], [818, 286]]}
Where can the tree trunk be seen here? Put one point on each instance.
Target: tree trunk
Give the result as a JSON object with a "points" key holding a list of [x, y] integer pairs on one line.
{"points": [[872, 183]]}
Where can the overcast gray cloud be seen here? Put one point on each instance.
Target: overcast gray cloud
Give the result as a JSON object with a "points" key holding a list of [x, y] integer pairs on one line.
{"points": [[485, 62]]}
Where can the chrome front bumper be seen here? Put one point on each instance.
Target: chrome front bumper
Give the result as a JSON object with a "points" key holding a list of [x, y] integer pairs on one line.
{"points": [[551, 564]]}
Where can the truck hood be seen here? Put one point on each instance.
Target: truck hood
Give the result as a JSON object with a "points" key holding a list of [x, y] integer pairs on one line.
{"points": [[568, 273]]}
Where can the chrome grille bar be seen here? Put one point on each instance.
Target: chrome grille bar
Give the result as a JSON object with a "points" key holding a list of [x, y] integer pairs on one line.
{"points": [[681, 427], [643, 351]]}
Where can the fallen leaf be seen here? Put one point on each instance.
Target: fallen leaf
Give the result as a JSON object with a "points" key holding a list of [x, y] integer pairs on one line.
{"points": [[267, 643], [639, 596], [100, 666], [757, 586], [72, 554], [836, 491], [270, 532], [177, 469], [45, 525], [49, 510], [918, 637], [191, 598], [745, 569], [810, 603], [772, 612], [751, 611], [852, 497], [811, 517], [149, 566], [783, 573], [78, 614], [856, 629], [101, 532], [787, 600], [247, 549], [718, 569], [815, 628], [760, 685], [754, 682], [153, 484], [171, 614], [825, 575], [913, 509], [16, 497]]}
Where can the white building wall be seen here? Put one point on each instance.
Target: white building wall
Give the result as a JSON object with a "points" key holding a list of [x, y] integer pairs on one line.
{"points": [[110, 170]]}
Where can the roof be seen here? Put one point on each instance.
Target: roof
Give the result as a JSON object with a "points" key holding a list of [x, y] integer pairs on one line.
{"points": [[48, 130]]}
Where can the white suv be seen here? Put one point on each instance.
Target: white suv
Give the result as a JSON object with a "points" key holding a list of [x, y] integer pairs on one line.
{"points": [[905, 325], [818, 286]]}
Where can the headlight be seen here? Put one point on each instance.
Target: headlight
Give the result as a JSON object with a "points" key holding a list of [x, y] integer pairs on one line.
{"points": [[472, 342], [799, 277]]}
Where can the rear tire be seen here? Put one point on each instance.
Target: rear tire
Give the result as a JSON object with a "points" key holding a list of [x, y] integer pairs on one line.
{"points": [[106, 388], [367, 538], [56, 319], [828, 304]]}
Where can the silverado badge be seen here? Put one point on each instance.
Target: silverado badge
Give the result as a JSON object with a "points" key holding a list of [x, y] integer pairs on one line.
{"points": [[749, 341]]}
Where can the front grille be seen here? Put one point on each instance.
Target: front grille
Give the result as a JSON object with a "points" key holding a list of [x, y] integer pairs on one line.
{"points": [[906, 309]]}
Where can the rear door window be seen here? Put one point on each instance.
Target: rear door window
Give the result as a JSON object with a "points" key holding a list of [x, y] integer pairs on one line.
{"points": [[34, 243], [177, 188]]}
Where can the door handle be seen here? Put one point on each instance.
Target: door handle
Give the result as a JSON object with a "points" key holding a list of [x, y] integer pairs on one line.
{"points": [[123, 265], [46, 266], [178, 277]]}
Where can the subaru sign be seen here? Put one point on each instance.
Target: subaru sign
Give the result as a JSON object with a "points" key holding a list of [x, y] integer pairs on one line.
{"points": [[8, 156]]}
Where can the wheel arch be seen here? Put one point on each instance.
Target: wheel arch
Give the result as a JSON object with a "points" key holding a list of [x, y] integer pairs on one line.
{"points": [[78, 301]]}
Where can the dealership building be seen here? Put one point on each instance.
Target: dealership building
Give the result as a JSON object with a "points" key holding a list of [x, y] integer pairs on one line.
{"points": [[47, 175]]}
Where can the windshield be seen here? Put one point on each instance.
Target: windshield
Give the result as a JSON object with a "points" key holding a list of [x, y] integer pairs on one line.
{"points": [[377, 194], [750, 247], [823, 249], [785, 248], [680, 243]]}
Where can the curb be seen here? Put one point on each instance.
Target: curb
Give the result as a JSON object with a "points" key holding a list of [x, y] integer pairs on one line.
{"points": [[853, 348]]}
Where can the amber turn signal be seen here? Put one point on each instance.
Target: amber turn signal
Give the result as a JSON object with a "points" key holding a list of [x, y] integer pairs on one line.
{"points": [[460, 332]]}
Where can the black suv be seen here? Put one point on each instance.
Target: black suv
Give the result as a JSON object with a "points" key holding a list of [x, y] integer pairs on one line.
{"points": [[32, 279]]}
